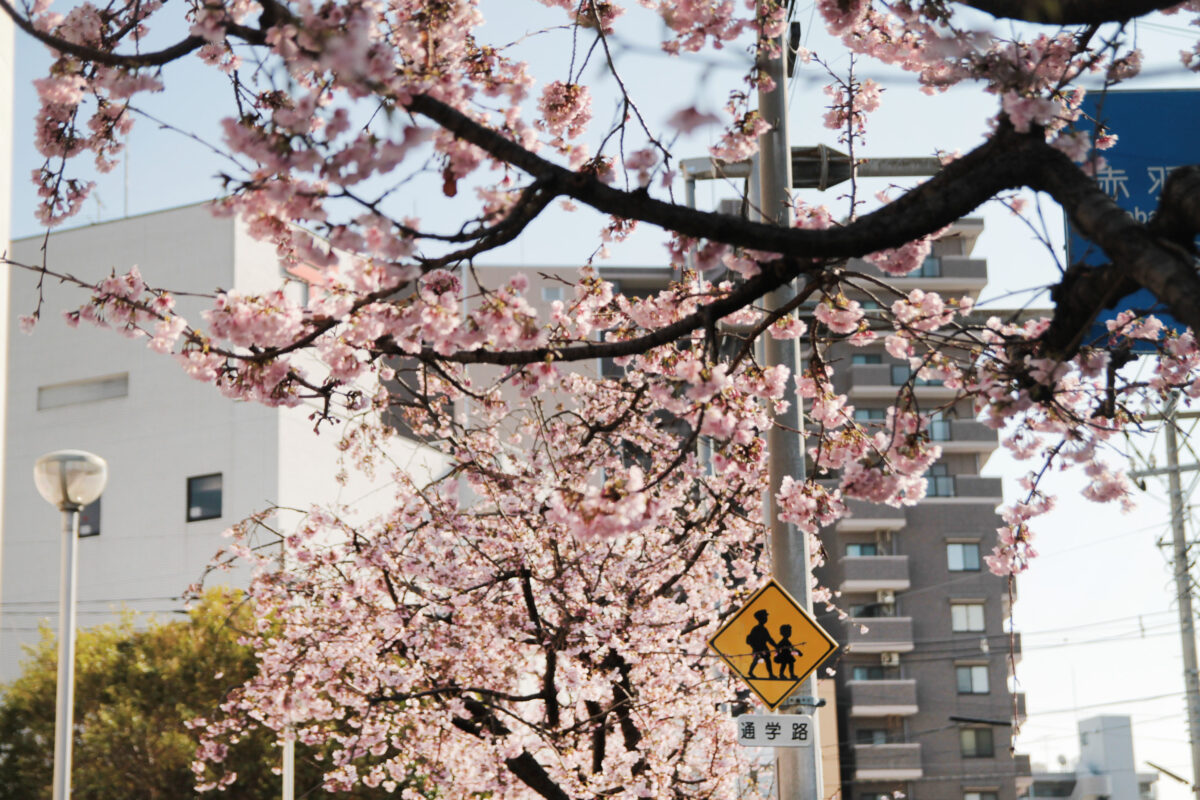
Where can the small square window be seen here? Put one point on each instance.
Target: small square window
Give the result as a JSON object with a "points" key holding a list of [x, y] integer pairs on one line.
{"points": [[89, 519], [866, 358], [939, 482], [867, 673], [979, 796], [972, 679], [869, 414], [862, 550], [204, 497], [963, 556], [870, 736], [976, 742], [966, 617], [552, 293]]}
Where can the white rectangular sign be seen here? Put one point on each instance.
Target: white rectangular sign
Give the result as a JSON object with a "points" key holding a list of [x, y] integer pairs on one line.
{"points": [[774, 730]]}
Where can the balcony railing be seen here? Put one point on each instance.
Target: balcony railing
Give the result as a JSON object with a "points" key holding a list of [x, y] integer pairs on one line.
{"points": [[866, 516], [887, 762], [882, 698], [882, 635], [873, 573]]}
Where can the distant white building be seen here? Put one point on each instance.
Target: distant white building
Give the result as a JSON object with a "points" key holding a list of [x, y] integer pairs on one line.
{"points": [[1106, 769], [184, 462]]}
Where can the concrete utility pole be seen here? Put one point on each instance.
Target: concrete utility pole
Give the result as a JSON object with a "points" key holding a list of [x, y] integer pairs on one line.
{"points": [[1183, 581], [1183, 588], [797, 770]]}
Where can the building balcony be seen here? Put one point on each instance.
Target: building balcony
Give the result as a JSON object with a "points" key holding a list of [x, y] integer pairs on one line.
{"points": [[1015, 646], [963, 436], [883, 635], [945, 274], [1019, 703], [883, 698], [865, 517], [874, 573], [883, 382], [887, 762], [964, 488]]}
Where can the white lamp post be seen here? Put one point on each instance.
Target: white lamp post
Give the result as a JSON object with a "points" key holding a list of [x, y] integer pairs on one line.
{"points": [[69, 480]]}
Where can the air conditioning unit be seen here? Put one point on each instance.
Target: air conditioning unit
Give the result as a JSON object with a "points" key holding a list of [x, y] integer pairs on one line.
{"points": [[885, 597], [889, 659]]}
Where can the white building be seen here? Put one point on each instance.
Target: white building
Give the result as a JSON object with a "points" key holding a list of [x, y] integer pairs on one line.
{"points": [[184, 462], [1106, 769]]}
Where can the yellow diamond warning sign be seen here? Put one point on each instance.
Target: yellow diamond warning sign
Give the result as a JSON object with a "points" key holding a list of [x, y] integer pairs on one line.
{"points": [[772, 644]]}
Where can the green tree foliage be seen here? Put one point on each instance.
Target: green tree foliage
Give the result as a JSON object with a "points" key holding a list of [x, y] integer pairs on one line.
{"points": [[137, 683]]}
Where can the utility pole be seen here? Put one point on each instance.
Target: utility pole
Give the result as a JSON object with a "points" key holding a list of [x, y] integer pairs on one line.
{"points": [[797, 770], [1183, 580], [1183, 588]]}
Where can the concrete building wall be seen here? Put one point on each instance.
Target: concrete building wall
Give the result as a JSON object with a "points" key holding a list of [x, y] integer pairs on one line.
{"points": [[166, 428], [1106, 747], [909, 613], [160, 429]]}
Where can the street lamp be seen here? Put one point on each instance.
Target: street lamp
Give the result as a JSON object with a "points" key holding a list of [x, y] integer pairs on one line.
{"points": [[69, 480]]}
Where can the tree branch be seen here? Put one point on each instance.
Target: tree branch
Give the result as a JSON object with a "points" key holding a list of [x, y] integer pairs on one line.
{"points": [[1139, 256], [1069, 12]]}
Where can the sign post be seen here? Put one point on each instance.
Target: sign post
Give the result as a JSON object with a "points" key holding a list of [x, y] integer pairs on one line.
{"points": [[772, 644]]}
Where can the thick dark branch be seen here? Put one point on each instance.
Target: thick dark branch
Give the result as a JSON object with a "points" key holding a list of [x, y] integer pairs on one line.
{"points": [[1178, 217], [525, 767], [773, 275], [444, 691], [1069, 12], [1138, 256], [957, 190]]}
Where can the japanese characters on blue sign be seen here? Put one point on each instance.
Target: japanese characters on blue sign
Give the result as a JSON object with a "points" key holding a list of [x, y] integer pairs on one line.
{"points": [[775, 730], [1156, 132]]}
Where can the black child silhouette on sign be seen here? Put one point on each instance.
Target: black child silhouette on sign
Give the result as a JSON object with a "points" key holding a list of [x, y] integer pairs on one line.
{"points": [[760, 641], [785, 653]]}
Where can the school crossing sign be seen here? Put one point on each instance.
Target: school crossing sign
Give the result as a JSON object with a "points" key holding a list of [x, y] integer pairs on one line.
{"points": [[772, 644]]}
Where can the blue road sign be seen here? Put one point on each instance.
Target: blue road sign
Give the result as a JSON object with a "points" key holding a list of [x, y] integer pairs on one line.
{"points": [[1156, 132]]}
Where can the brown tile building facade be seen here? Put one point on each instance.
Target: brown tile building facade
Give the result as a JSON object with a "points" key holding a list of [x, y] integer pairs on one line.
{"points": [[923, 697]]}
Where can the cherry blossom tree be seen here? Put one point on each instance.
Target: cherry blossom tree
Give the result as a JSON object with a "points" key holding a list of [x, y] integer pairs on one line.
{"points": [[533, 622]]}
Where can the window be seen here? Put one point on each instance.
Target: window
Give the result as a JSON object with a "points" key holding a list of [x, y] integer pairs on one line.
{"points": [[86, 391], [873, 610], [939, 427], [862, 550], [901, 374], [966, 617], [870, 736], [983, 795], [866, 358], [972, 678], [204, 497], [939, 482], [89, 519], [963, 556], [869, 414], [931, 267], [552, 293], [870, 673], [976, 742]]}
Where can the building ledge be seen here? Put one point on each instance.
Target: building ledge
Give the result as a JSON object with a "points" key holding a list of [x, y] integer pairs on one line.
{"points": [[883, 711]]}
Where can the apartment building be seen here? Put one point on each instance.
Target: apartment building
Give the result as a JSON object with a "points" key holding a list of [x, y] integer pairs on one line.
{"points": [[924, 703], [185, 463]]}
